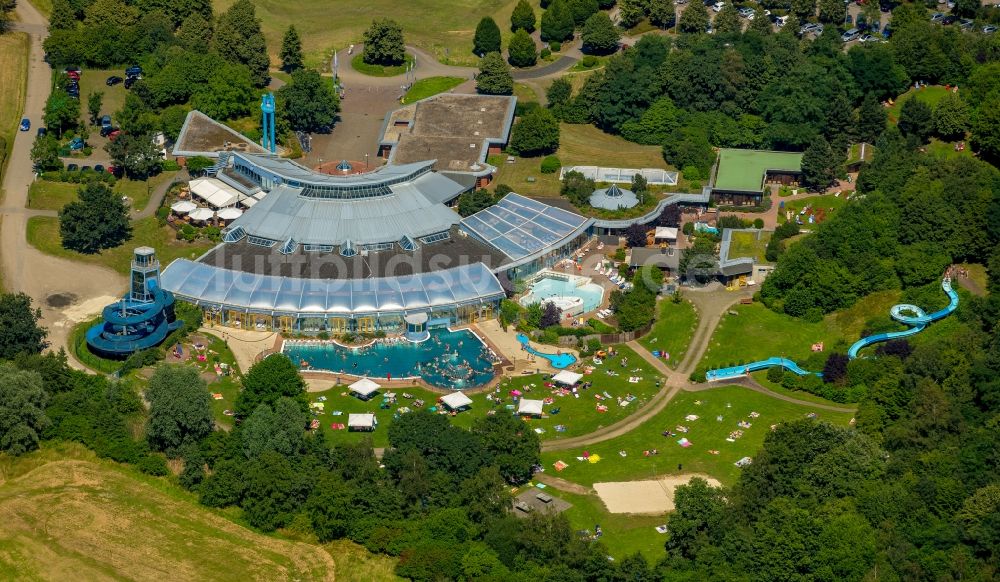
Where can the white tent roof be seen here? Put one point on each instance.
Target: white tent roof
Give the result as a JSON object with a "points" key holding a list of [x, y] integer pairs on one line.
{"points": [[201, 214], [248, 201], [456, 400], [566, 377], [216, 193], [526, 406], [667, 232], [364, 387], [231, 213], [366, 420], [183, 206]]}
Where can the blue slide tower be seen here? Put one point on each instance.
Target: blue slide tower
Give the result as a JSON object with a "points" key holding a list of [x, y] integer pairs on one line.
{"points": [[142, 319], [267, 123]]}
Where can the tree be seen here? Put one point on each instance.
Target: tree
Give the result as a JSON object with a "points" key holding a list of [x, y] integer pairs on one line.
{"points": [[487, 39], [136, 155], [521, 49], [61, 112], [268, 380], [180, 409], [384, 44], [640, 186], [600, 35], [916, 119], [45, 153], [309, 102], [662, 13], [551, 315], [64, 16], [817, 165], [694, 18], [761, 23], [699, 262], [195, 33], [19, 329], [509, 445], [280, 428], [535, 134], [951, 117], [97, 220], [94, 102], [871, 119], [522, 18], [803, 10], [238, 38], [557, 22], [835, 368], [986, 129], [967, 8], [832, 11], [630, 13], [291, 51], [473, 201], [577, 188], [559, 92], [510, 312], [228, 94], [22, 410], [635, 235], [494, 76], [728, 20], [582, 10]]}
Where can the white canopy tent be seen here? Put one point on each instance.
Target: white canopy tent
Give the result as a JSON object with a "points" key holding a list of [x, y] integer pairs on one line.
{"points": [[666, 232], [365, 421], [364, 387], [231, 213], [215, 193], [567, 378], [183, 207], [456, 400], [532, 407], [201, 215]]}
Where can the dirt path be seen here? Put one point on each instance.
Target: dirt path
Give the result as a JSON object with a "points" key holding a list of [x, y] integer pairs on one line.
{"points": [[751, 384], [62, 289], [562, 484]]}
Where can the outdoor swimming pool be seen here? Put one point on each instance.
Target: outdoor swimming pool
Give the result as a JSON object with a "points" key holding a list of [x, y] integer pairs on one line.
{"points": [[449, 359], [560, 285]]}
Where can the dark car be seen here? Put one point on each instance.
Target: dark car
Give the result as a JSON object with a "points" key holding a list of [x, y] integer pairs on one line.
{"points": [[105, 121], [98, 168], [42, 131], [107, 130], [949, 19], [113, 80], [72, 167], [25, 124], [129, 82], [135, 71]]}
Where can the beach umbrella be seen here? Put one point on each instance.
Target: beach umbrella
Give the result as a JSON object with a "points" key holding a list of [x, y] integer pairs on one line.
{"points": [[231, 213], [515, 392], [183, 207], [201, 215]]}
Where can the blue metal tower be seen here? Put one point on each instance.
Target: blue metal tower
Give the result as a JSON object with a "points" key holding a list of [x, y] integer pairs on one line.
{"points": [[267, 119]]}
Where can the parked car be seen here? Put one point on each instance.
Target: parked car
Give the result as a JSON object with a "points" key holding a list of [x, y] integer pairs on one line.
{"points": [[114, 134], [808, 28], [779, 21], [77, 144], [717, 7], [949, 19], [105, 121], [113, 80], [86, 169], [852, 34], [989, 29], [25, 124], [75, 75], [98, 168], [72, 69], [129, 82], [937, 17], [966, 23], [866, 38], [72, 167], [41, 132], [135, 71], [747, 13]]}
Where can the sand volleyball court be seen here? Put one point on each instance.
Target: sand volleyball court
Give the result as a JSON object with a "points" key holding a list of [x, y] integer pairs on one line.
{"points": [[653, 496]]}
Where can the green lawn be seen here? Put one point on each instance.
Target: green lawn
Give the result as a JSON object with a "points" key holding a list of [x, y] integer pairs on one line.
{"points": [[46, 195], [94, 80], [624, 534], [13, 78], [757, 333], [929, 95], [827, 203], [444, 29], [359, 65], [524, 93], [43, 234], [746, 244], [732, 403], [946, 149], [675, 324], [425, 88], [139, 191], [761, 378]]}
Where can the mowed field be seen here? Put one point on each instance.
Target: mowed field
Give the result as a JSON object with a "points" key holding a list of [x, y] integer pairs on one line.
{"points": [[85, 519], [13, 66], [442, 27]]}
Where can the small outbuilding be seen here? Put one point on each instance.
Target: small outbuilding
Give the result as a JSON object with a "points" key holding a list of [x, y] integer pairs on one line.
{"points": [[665, 233], [528, 407], [567, 378], [456, 401], [364, 388], [613, 198], [366, 422]]}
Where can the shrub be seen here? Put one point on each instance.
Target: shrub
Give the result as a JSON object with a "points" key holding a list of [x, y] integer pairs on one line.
{"points": [[589, 61], [775, 374], [154, 465], [758, 223], [555, 46], [170, 165], [551, 165], [546, 53]]}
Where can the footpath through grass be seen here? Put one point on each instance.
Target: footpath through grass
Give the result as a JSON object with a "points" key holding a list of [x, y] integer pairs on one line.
{"points": [[43, 234], [431, 86], [672, 331], [706, 433]]}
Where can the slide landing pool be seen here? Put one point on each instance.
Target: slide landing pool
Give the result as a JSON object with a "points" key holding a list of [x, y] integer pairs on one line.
{"points": [[904, 313], [558, 361]]}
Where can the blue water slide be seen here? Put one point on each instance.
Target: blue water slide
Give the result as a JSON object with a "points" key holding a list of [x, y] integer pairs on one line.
{"points": [[904, 313], [558, 361], [131, 325]]}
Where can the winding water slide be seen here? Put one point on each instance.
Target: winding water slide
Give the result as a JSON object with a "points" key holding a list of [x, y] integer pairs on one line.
{"points": [[904, 313], [130, 325]]}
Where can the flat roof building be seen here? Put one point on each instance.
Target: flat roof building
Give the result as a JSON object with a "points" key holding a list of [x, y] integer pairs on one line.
{"points": [[741, 174]]}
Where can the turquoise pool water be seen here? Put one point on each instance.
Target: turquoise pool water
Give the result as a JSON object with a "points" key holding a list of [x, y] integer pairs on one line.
{"points": [[449, 359], [559, 361], [591, 293]]}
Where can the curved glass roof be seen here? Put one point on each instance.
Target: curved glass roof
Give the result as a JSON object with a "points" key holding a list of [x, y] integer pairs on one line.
{"points": [[520, 226], [209, 285]]}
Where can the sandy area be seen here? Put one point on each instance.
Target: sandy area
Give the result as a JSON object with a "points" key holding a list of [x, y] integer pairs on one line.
{"points": [[244, 344], [649, 497], [506, 342]]}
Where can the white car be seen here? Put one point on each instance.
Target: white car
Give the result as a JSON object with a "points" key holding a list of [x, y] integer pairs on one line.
{"points": [[717, 7]]}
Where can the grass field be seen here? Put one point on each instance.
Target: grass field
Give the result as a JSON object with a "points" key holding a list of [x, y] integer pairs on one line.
{"points": [[425, 88], [94, 80], [67, 514], [946, 149], [672, 331], [444, 29], [929, 95], [828, 203], [578, 145], [732, 403], [13, 78], [43, 234], [49, 195], [746, 244], [623, 534], [758, 333], [358, 64]]}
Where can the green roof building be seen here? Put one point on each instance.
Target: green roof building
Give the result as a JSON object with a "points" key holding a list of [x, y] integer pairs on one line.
{"points": [[742, 174]]}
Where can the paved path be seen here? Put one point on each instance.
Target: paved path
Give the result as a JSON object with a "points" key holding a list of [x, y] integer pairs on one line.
{"points": [[750, 384], [159, 193], [58, 286]]}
